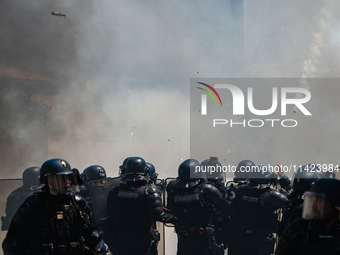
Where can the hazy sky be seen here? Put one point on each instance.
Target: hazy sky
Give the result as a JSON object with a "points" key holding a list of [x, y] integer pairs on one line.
{"points": [[124, 66]]}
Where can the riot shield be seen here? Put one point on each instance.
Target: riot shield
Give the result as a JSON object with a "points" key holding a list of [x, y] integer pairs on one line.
{"points": [[6, 188], [99, 190], [165, 195], [160, 226], [171, 236]]}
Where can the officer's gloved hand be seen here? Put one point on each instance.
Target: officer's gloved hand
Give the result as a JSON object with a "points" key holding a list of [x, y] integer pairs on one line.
{"points": [[94, 240], [102, 249]]}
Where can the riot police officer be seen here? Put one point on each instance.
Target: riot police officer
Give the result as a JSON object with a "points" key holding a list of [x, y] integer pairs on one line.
{"points": [[196, 205], [215, 177], [301, 183], [253, 215], [241, 177], [241, 173], [132, 209], [151, 170], [54, 221], [317, 232], [30, 178], [90, 173]]}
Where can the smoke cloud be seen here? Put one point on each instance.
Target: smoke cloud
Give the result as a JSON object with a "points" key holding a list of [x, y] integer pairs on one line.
{"points": [[121, 72]]}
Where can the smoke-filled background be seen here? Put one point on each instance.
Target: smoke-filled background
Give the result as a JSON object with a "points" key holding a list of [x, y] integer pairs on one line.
{"points": [[118, 72], [111, 80]]}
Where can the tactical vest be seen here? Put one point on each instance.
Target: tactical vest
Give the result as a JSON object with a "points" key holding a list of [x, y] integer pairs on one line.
{"points": [[252, 211], [60, 221], [321, 241], [132, 210], [190, 208], [293, 212], [85, 193], [58, 226], [220, 186]]}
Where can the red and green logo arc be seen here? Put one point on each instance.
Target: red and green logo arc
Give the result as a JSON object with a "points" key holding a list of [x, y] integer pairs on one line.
{"points": [[209, 93]]}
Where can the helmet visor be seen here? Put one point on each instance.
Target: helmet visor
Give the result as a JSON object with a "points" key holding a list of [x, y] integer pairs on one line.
{"points": [[317, 206], [134, 177], [121, 170], [60, 184]]}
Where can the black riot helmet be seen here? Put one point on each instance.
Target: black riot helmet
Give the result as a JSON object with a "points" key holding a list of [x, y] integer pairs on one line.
{"points": [[312, 168], [303, 180], [58, 176], [190, 169], [243, 170], [136, 170], [323, 200], [213, 169], [259, 175], [122, 167], [151, 172], [31, 176], [93, 173]]}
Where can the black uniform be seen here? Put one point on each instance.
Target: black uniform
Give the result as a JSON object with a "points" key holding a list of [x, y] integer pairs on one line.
{"points": [[132, 209], [254, 219], [318, 231], [301, 183], [220, 186], [285, 183], [196, 206], [216, 177], [47, 224], [53, 222], [170, 185], [302, 238], [292, 212]]}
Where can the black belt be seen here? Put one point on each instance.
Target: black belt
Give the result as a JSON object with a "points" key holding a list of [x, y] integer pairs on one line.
{"points": [[132, 230], [58, 248], [192, 230]]}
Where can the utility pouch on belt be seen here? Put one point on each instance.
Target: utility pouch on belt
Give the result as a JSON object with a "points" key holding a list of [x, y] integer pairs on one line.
{"points": [[210, 231], [155, 235]]}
